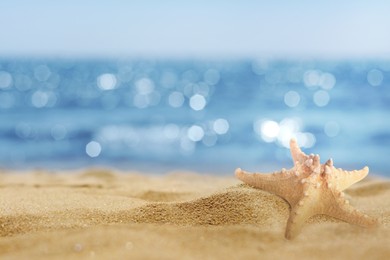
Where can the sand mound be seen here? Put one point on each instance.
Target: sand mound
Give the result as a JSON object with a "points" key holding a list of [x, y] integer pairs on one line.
{"points": [[235, 205], [239, 204]]}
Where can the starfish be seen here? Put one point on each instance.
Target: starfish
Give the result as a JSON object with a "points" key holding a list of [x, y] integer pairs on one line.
{"points": [[311, 188]]}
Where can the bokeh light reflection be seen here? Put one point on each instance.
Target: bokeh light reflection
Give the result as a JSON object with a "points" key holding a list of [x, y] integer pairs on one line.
{"points": [[272, 131], [22, 82], [176, 99], [5, 80], [107, 81], [24, 130], [332, 128], [318, 78], [221, 126], [58, 132], [288, 128], [201, 88], [311, 78], [197, 102], [375, 77], [209, 139], [268, 129], [168, 79], [211, 76], [292, 98], [327, 81], [42, 73], [39, 99], [171, 131], [260, 67], [187, 146], [195, 133], [305, 140], [125, 74], [93, 149], [321, 98], [144, 86]]}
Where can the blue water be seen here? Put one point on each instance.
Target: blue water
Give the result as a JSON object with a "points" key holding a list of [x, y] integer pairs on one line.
{"points": [[208, 116]]}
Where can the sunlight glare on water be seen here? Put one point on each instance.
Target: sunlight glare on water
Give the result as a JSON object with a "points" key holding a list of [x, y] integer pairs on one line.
{"points": [[268, 129], [190, 112]]}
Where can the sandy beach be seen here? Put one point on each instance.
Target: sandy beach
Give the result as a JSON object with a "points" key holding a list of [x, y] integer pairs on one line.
{"points": [[104, 214]]}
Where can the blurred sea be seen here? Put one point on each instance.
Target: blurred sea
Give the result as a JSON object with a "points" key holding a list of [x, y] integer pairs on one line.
{"points": [[208, 116]]}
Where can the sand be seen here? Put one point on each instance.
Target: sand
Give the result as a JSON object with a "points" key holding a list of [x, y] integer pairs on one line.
{"points": [[103, 214]]}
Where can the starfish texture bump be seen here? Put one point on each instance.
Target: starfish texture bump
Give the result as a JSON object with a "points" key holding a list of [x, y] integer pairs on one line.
{"points": [[311, 188]]}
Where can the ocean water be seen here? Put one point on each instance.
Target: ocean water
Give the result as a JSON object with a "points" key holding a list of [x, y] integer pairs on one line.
{"points": [[207, 116]]}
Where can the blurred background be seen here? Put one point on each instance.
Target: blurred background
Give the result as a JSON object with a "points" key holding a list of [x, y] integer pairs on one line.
{"points": [[203, 85]]}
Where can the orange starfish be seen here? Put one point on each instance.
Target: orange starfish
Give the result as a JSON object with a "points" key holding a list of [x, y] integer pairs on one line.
{"points": [[311, 188]]}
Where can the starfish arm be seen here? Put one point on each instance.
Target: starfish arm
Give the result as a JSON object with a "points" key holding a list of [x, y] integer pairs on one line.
{"points": [[300, 212], [347, 178], [296, 152], [339, 208], [275, 183]]}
